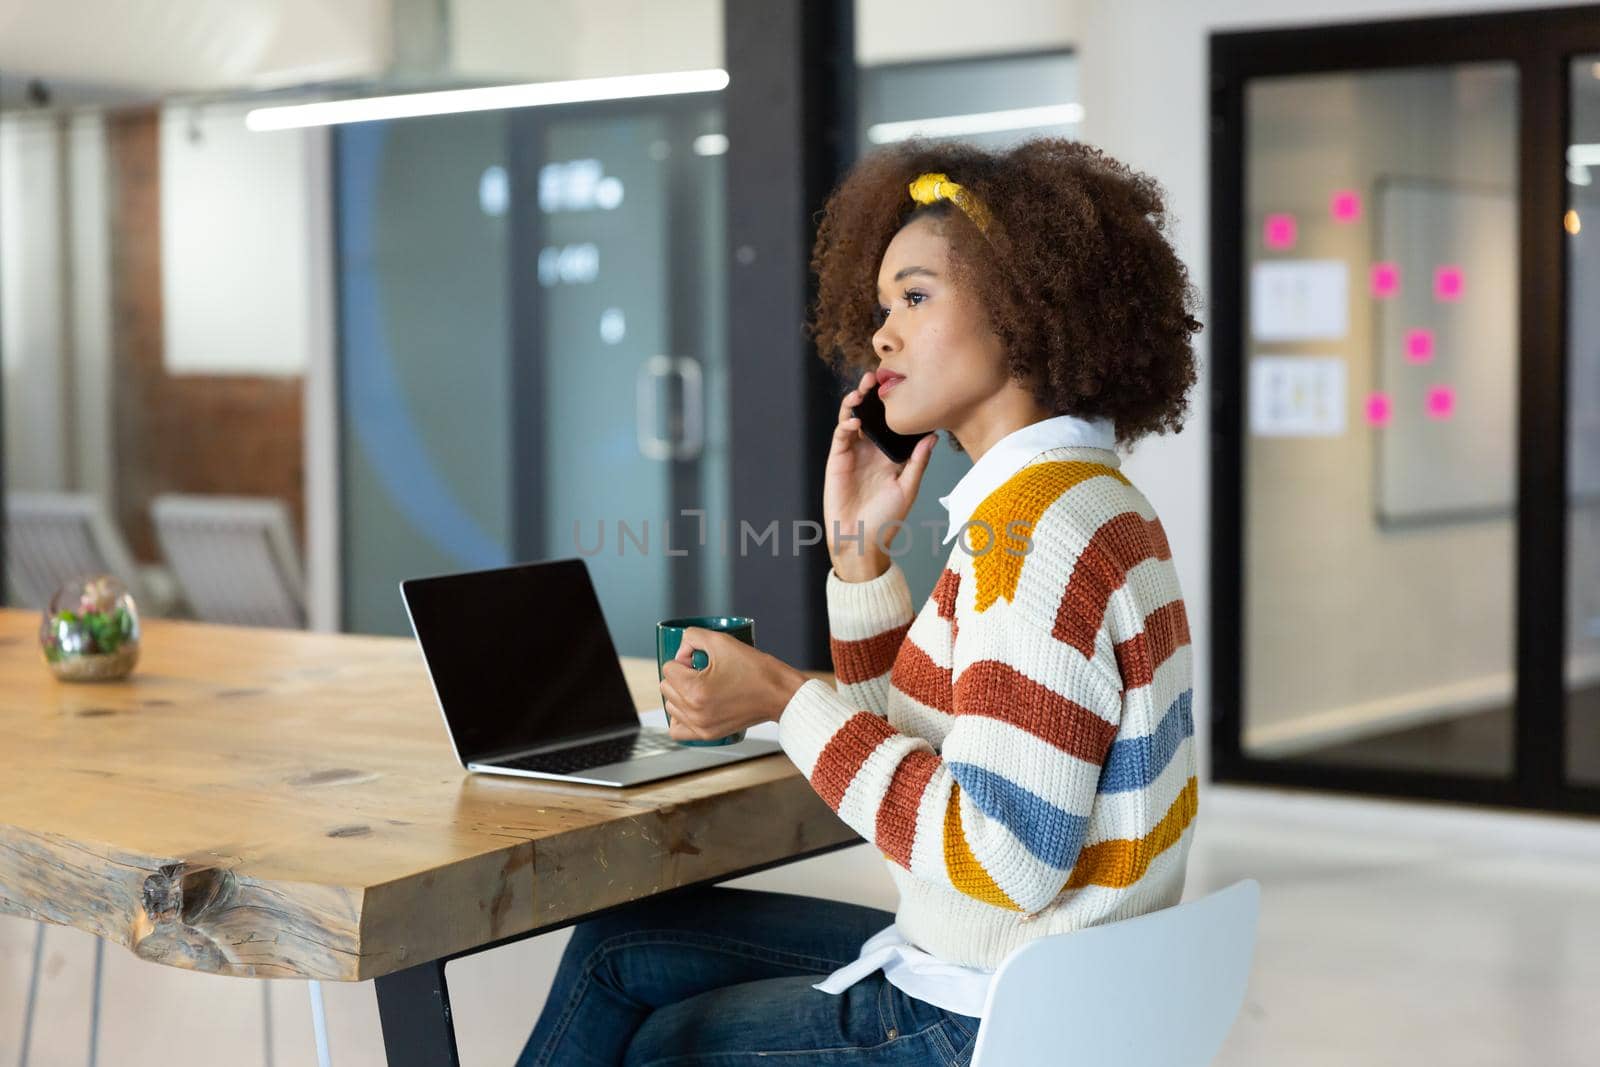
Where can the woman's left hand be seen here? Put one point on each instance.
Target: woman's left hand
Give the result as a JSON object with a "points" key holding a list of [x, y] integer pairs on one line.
{"points": [[739, 687]]}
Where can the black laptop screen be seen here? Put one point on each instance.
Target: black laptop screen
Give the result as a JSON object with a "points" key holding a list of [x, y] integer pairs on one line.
{"points": [[519, 655]]}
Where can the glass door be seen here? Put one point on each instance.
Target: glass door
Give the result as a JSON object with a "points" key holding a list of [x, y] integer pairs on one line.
{"points": [[532, 310], [1406, 437], [1381, 235], [624, 316], [568, 315], [1581, 222]]}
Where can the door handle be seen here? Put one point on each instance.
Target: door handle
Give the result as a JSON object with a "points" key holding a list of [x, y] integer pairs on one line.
{"points": [[646, 413], [690, 439]]}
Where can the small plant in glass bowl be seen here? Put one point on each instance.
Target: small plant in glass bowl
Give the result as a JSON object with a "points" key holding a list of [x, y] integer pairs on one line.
{"points": [[90, 632]]}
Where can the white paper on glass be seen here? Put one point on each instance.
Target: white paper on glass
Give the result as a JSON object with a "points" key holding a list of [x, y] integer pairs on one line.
{"points": [[1297, 396], [1300, 300]]}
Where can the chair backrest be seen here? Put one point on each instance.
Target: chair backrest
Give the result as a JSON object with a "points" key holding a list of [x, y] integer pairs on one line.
{"points": [[1157, 990], [51, 537], [233, 557]]}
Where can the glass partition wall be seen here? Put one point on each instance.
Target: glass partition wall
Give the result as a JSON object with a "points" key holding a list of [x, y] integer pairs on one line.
{"points": [[1405, 544], [1380, 244], [576, 331], [1583, 419], [545, 285]]}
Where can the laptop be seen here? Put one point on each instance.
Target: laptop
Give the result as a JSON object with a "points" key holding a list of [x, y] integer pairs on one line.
{"points": [[530, 685]]}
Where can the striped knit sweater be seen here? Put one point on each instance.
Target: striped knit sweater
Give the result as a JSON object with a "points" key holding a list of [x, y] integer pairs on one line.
{"points": [[1021, 751]]}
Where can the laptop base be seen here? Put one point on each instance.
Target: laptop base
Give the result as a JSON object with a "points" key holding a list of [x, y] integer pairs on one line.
{"points": [[637, 771]]}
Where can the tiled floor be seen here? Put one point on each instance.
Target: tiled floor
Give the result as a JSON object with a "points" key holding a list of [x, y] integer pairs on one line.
{"points": [[1409, 934], [1390, 934]]}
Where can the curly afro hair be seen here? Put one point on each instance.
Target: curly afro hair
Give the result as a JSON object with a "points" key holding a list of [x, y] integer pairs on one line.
{"points": [[1092, 305]]}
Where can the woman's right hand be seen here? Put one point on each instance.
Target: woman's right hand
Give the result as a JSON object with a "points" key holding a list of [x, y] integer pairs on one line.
{"points": [[865, 490]]}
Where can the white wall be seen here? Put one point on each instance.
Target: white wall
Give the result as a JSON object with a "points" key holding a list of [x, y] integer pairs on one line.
{"points": [[890, 31], [31, 276], [594, 38], [236, 232], [553, 39]]}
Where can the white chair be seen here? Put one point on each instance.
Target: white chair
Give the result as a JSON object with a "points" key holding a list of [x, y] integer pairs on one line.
{"points": [[234, 558], [1157, 990], [53, 536]]}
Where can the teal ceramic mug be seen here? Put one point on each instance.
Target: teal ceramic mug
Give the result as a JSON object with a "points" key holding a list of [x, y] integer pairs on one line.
{"points": [[669, 635]]}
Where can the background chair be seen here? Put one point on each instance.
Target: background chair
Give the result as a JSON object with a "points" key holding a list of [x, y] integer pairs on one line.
{"points": [[1157, 990], [54, 536], [234, 558]]}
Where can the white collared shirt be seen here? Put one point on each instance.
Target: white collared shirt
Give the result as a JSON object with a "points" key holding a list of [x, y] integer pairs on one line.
{"points": [[909, 969], [915, 973], [1008, 455]]}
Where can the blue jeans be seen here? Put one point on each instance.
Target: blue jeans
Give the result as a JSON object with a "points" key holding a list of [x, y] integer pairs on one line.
{"points": [[723, 976]]}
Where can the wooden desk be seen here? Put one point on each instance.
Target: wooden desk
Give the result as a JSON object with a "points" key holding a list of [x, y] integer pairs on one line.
{"points": [[280, 804]]}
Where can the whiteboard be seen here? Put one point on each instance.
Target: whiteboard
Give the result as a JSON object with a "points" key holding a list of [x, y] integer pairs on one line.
{"points": [[1464, 466]]}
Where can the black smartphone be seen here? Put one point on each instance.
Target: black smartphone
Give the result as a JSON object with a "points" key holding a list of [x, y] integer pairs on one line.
{"points": [[897, 446]]}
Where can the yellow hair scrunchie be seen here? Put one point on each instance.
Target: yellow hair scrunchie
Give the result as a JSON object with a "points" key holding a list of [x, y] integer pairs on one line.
{"points": [[931, 187]]}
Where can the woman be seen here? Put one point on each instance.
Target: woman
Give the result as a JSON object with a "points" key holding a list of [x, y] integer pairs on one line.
{"points": [[1020, 750]]}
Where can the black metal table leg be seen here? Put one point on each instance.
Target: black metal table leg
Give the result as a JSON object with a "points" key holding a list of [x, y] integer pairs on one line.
{"points": [[414, 1009]]}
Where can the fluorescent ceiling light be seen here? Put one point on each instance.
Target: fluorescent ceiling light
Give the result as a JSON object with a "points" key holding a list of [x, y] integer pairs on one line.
{"points": [[1018, 118], [1583, 155], [489, 98], [711, 144], [1580, 157]]}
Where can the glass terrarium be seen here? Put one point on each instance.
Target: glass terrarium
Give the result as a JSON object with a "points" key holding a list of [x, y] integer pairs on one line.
{"points": [[90, 632]]}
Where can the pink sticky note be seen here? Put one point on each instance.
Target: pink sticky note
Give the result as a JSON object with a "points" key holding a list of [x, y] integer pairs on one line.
{"points": [[1441, 402], [1447, 283], [1379, 408], [1345, 205], [1419, 346], [1385, 280], [1279, 231]]}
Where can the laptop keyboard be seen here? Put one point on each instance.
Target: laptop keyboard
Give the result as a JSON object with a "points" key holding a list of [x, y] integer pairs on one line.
{"points": [[593, 754]]}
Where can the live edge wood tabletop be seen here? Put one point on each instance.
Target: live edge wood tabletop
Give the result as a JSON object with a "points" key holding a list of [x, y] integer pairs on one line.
{"points": [[281, 804]]}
